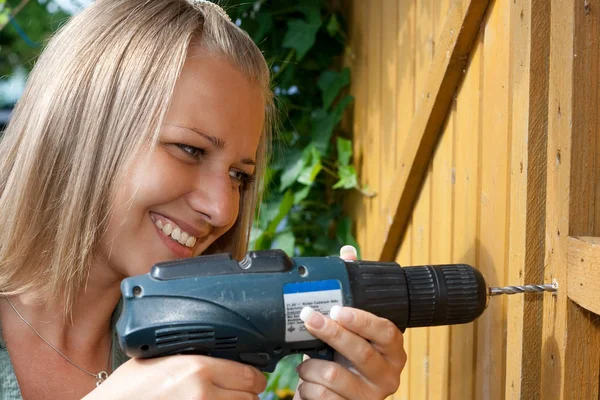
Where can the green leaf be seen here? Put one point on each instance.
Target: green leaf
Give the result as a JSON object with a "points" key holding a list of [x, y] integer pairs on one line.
{"points": [[284, 207], [348, 179], [310, 172], [331, 83], [289, 376], [299, 162], [268, 212], [300, 36], [312, 10], [285, 241], [339, 109], [255, 238], [333, 26], [324, 123], [285, 376], [344, 150], [301, 194], [263, 242]]}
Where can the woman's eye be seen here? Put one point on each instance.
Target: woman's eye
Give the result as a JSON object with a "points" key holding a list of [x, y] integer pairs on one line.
{"points": [[241, 177], [191, 150]]}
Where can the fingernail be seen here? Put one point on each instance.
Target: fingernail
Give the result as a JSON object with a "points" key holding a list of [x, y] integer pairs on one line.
{"points": [[341, 314], [334, 312], [348, 250], [312, 318]]}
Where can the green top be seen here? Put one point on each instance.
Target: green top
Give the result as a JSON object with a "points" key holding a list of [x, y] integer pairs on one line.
{"points": [[9, 387]]}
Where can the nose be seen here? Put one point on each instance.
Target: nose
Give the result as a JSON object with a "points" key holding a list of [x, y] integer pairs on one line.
{"points": [[215, 198]]}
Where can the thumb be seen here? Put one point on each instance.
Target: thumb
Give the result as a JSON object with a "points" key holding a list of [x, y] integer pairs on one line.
{"points": [[348, 253]]}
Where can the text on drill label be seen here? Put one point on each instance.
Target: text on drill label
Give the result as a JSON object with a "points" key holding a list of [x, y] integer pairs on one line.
{"points": [[320, 295]]}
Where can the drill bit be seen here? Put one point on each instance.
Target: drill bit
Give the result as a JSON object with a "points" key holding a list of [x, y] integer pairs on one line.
{"points": [[496, 291]]}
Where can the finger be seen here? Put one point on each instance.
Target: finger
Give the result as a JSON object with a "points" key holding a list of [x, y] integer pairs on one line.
{"points": [[366, 359], [332, 376], [348, 253], [314, 391], [226, 394], [220, 373], [381, 332]]}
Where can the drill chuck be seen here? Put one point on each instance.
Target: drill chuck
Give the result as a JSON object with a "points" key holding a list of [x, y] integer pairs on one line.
{"points": [[418, 296]]}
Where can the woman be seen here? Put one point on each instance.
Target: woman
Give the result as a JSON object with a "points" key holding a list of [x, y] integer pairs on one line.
{"points": [[139, 138]]}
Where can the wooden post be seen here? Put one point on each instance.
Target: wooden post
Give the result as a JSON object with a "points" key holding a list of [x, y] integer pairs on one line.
{"points": [[571, 335], [530, 46]]}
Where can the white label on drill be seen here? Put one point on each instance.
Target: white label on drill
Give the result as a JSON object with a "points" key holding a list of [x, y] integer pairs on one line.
{"points": [[320, 295]]}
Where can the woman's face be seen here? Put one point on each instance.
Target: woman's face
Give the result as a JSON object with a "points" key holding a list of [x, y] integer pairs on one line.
{"points": [[176, 200]]}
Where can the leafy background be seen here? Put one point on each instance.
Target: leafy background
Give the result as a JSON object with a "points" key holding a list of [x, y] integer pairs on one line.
{"points": [[311, 170]]}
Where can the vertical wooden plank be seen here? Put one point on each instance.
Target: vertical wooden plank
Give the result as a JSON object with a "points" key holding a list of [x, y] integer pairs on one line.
{"points": [[418, 360], [467, 130], [358, 63], [560, 112], [582, 354], [571, 352], [442, 222], [419, 350], [372, 149], [404, 258], [406, 57], [586, 84], [585, 169], [440, 12], [389, 65], [424, 46], [530, 30], [495, 189]]}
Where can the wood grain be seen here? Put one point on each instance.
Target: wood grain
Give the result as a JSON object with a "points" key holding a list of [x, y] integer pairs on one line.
{"points": [[454, 45], [529, 44], [418, 360], [467, 138], [583, 263]]}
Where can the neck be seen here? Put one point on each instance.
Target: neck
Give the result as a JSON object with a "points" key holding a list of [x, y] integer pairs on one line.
{"points": [[88, 325]]}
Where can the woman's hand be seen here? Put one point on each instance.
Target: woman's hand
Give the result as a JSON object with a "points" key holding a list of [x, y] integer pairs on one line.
{"points": [[373, 345], [182, 377]]}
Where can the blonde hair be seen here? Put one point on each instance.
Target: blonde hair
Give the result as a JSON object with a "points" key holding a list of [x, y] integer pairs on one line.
{"points": [[99, 92]]}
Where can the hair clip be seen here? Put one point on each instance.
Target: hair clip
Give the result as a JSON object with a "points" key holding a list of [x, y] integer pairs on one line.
{"points": [[198, 4]]}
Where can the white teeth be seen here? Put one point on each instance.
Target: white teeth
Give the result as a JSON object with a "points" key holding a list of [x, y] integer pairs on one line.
{"points": [[190, 242], [177, 234], [184, 237]]}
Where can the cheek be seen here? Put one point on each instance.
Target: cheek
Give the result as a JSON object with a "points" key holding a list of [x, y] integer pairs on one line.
{"points": [[129, 243], [155, 181]]}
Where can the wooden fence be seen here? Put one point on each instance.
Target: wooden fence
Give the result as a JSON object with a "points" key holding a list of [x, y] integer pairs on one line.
{"points": [[477, 125]]}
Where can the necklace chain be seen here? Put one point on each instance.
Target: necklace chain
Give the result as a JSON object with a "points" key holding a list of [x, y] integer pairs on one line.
{"points": [[100, 376]]}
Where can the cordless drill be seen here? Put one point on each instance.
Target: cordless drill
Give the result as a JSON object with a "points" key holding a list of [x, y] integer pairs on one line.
{"points": [[249, 311]]}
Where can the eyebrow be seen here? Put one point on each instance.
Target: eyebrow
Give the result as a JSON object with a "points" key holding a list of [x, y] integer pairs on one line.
{"points": [[215, 141]]}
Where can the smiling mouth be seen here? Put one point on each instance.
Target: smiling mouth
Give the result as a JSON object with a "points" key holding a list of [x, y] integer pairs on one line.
{"points": [[173, 232]]}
